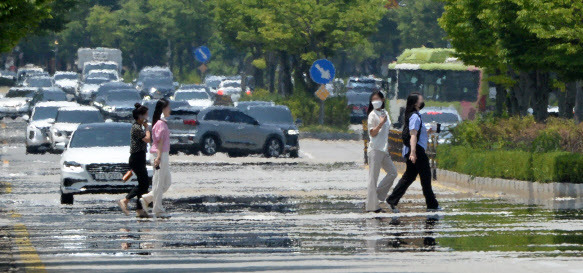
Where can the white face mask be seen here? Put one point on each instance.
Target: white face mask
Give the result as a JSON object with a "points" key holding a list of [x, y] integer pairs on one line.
{"points": [[377, 104]]}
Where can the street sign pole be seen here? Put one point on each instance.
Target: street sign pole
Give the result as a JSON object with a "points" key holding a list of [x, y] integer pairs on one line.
{"points": [[203, 55], [322, 72]]}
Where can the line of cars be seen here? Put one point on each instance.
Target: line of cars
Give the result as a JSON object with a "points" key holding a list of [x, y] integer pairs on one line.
{"points": [[85, 124]]}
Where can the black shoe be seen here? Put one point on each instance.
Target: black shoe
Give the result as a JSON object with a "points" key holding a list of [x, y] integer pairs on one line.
{"points": [[393, 207], [439, 208], [378, 211]]}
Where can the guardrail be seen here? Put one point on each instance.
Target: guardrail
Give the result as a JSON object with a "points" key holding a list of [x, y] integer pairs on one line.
{"points": [[396, 147]]}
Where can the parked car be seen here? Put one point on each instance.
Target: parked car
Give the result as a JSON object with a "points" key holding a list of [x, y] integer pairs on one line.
{"points": [[227, 129], [17, 101], [111, 75], [42, 117], [119, 104], [67, 121], [38, 81], [358, 105], [88, 88], [199, 98], [67, 80], [281, 117], [448, 117], [156, 87], [108, 145], [104, 88]]}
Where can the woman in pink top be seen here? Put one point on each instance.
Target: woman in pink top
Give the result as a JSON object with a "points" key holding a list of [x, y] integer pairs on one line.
{"points": [[160, 148]]}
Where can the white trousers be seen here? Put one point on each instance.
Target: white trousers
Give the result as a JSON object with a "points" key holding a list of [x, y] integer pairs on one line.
{"points": [[377, 160], [160, 183]]}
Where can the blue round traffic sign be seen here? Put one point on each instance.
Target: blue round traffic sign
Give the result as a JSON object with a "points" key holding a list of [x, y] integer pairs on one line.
{"points": [[202, 54], [322, 71]]}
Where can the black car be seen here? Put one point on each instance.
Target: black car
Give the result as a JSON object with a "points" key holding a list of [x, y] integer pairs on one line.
{"points": [[278, 116], [156, 87], [104, 88], [118, 105], [358, 105]]}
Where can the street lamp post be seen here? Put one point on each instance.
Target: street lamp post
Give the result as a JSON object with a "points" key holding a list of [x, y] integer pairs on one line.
{"points": [[56, 52]]}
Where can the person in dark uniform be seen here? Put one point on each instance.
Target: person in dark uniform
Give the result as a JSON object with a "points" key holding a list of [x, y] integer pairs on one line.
{"points": [[140, 137], [415, 139]]}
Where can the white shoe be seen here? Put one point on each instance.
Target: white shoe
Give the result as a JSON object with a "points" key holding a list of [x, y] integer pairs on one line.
{"points": [[161, 215], [144, 204]]}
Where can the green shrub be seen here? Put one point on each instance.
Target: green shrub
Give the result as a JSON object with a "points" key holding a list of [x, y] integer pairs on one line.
{"points": [[569, 168], [513, 164], [547, 141]]}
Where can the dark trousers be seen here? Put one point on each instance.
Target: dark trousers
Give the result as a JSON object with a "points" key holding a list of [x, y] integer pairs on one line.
{"points": [[421, 167], [138, 166]]}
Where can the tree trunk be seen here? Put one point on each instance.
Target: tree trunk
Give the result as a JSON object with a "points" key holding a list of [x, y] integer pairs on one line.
{"points": [[579, 102], [540, 99], [526, 87], [271, 66], [501, 97], [285, 84], [567, 100]]}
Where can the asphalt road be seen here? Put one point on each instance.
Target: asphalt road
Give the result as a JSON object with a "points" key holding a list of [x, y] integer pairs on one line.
{"points": [[255, 214]]}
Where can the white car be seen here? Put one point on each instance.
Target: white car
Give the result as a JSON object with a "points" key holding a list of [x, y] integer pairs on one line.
{"points": [[198, 98], [67, 80], [448, 117], [67, 121], [17, 101], [39, 124], [88, 89], [96, 159], [231, 88]]}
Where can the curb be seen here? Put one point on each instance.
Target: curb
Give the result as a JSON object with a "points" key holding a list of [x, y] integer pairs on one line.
{"points": [[532, 192], [331, 136]]}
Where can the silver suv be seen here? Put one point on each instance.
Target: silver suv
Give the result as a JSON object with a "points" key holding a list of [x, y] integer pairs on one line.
{"points": [[227, 129]]}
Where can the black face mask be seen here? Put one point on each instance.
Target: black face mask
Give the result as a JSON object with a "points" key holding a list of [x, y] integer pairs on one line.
{"points": [[422, 105]]}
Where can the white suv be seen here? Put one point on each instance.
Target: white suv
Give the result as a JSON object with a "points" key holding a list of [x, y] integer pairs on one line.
{"points": [[67, 120]]}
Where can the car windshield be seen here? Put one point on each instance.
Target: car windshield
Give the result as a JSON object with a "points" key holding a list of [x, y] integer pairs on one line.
{"points": [[359, 84], [191, 96], [79, 116], [123, 96], [271, 115], [20, 94], [156, 73], [158, 81], [213, 83], [59, 77], [107, 75], [54, 96], [100, 137], [439, 117], [96, 80], [100, 66], [232, 84], [39, 82], [41, 113], [358, 98]]}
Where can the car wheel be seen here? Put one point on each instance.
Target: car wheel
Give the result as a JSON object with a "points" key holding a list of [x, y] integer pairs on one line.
{"points": [[209, 145], [273, 148], [173, 151], [294, 154], [31, 150], [67, 199]]}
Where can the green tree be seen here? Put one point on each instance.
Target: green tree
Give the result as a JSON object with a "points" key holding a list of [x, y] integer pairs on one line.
{"points": [[19, 18]]}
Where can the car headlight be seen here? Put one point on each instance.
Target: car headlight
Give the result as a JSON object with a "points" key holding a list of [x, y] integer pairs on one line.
{"points": [[147, 98], [153, 90], [57, 132], [72, 165], [293, 132], [109, 108]]}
